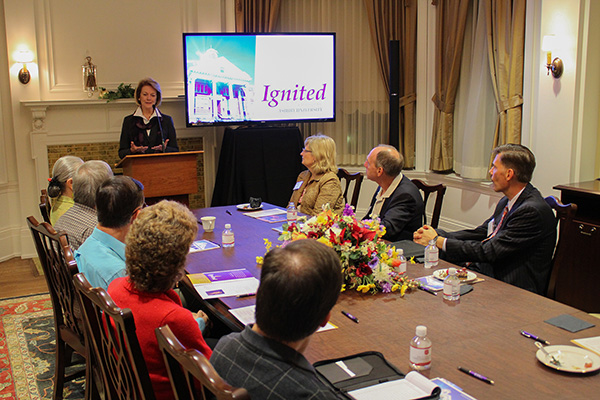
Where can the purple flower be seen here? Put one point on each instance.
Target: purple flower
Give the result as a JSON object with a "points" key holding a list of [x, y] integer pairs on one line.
{"points": [[373, 262], [386, 287], [348, 211]]}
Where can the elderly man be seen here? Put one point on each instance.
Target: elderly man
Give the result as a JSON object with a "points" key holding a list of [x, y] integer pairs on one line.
{"points": [[515, 244], [397, 201], [299, 285], [102, 256], [80, 220]]}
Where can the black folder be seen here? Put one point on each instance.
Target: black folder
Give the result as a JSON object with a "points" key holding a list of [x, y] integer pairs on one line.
{"points": [[411, 249], [369, 368]]}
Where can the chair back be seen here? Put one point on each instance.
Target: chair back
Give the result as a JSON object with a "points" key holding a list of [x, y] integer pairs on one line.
{"points": [[562, 253], [185, 367], [59, 267], [440, 191], [45, 206], [113, 340], [348, 178]]}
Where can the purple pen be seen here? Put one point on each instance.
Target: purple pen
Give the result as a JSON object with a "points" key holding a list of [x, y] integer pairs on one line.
{"points": [[536, 338], [476, 375]]}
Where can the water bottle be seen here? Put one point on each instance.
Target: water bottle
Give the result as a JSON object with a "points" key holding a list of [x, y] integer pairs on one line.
{"points": [[451, 286], [292, 213], [402, 266], [431, 255], [420, 350], [227, 239]]}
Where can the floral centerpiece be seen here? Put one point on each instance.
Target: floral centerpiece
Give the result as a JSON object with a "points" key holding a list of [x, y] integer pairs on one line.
{"points": [[368, 263]]}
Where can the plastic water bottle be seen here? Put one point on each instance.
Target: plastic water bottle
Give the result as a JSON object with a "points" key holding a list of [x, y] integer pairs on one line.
{"points": [[292, 213], [420, 350], [402, 266], [451, 286], [431, 255], [227, 239]]}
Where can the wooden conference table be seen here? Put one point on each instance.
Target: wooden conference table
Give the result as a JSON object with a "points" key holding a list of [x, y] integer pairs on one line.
{"points": [[480, 332]]}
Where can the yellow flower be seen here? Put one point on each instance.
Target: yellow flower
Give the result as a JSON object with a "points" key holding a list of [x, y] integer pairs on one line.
{"points": [[362, 288], [268, 244], [412, 260], [343, 287], [298, 236], [395, 287], [403, 289], [259, 260], [324, 240]]}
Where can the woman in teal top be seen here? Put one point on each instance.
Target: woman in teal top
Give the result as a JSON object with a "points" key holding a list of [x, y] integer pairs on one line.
{"points": [[60, 186]]}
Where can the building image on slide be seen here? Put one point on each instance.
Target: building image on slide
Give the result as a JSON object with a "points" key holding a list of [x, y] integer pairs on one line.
{"points": [[221, 90]]}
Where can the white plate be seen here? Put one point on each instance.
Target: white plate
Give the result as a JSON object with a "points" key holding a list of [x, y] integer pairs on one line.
{"points": [[246, 207], [440, 274], [571, 358]]}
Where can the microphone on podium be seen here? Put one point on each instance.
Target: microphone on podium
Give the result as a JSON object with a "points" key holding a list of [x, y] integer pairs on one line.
{"points": [[160, 130]]}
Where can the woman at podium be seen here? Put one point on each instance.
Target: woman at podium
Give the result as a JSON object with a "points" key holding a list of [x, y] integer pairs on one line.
{"points": [[319, 185], [147, 130]]}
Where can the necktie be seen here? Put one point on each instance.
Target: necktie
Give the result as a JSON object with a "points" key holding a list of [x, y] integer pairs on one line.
{"points": [[498, 224]]}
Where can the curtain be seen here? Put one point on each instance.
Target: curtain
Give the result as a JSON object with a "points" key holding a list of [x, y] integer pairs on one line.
{"points": [[506, 42], [397, 20], [451, 20], [361, 99], [256, 15], [475, 115]]}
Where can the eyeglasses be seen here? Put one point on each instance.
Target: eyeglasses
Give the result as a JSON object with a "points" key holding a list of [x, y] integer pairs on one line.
{"points": [[305, 150]]}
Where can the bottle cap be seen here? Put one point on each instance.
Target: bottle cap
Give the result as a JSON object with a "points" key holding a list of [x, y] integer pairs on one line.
{"points": [[227, 226], [400, 252], [421, 331], [451, 271]]}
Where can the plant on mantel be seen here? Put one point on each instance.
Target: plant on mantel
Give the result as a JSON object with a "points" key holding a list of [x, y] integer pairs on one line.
{"points": [[123, 92]]}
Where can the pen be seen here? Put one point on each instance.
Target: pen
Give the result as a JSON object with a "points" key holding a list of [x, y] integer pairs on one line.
{"points": [[227, 211], [352, 317], [241, 296], [476, 375], [536, 338], [423, 288]]}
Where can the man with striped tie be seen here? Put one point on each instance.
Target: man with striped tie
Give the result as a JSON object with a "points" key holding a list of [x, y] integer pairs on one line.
{"points": [[515, 244]]}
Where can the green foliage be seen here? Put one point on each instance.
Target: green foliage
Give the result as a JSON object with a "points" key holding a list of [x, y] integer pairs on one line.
{"points": [[123, 92]]}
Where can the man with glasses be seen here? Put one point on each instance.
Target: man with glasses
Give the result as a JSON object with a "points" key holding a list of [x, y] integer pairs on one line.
{"points": [[102, 256]]}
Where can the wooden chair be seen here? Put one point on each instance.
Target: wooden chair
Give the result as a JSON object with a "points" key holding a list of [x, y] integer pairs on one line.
{"points": [[113, 341], [45, 206], [59, 267], [440, 191], [562, 253], [185, 367], [348, 178]]}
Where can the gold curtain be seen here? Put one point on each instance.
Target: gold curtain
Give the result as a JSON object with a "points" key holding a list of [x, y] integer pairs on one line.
{"points": [[256, 15], [451, 21], [397, 20], [505, 21]]}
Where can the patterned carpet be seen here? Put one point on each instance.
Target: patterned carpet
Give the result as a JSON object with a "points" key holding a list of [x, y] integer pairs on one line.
{"points": [[27, 350]]}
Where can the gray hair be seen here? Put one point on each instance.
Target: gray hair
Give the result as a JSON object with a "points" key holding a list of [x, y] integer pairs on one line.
{"points": [[390, 160], [64, 168], [88, 178]]}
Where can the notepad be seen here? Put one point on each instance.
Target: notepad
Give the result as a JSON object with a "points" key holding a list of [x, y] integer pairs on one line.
{"points": [[203, 245], [413, 386], [246, 316], [590, 343]]}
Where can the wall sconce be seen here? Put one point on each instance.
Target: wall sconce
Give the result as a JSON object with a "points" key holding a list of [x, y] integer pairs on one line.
{"points": [[24, 57], [555, 66]]}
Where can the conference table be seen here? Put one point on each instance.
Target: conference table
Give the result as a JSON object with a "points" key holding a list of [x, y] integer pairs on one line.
{"points": [[480, 332]]}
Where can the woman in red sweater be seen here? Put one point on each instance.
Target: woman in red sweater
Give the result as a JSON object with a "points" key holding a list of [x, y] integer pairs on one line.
{"points": [[156, 248]]}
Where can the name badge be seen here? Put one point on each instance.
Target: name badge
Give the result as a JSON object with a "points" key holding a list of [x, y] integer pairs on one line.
{"points": [[490, 227], [298, 184]]}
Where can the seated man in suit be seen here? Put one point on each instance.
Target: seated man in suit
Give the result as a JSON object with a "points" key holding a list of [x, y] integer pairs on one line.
{"points": [[81, 219], [515, 244], [397, 201], [102, 256], [299, 285]]}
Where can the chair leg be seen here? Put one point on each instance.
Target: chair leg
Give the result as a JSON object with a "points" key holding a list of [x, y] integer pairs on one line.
{"points": [[59, 369]]}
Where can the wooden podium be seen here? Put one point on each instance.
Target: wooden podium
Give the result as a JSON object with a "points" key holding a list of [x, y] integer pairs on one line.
{"points": [[169, 176]]}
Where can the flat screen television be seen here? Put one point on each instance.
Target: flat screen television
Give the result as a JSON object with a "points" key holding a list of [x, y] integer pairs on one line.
{"points": [[241, 79]]}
